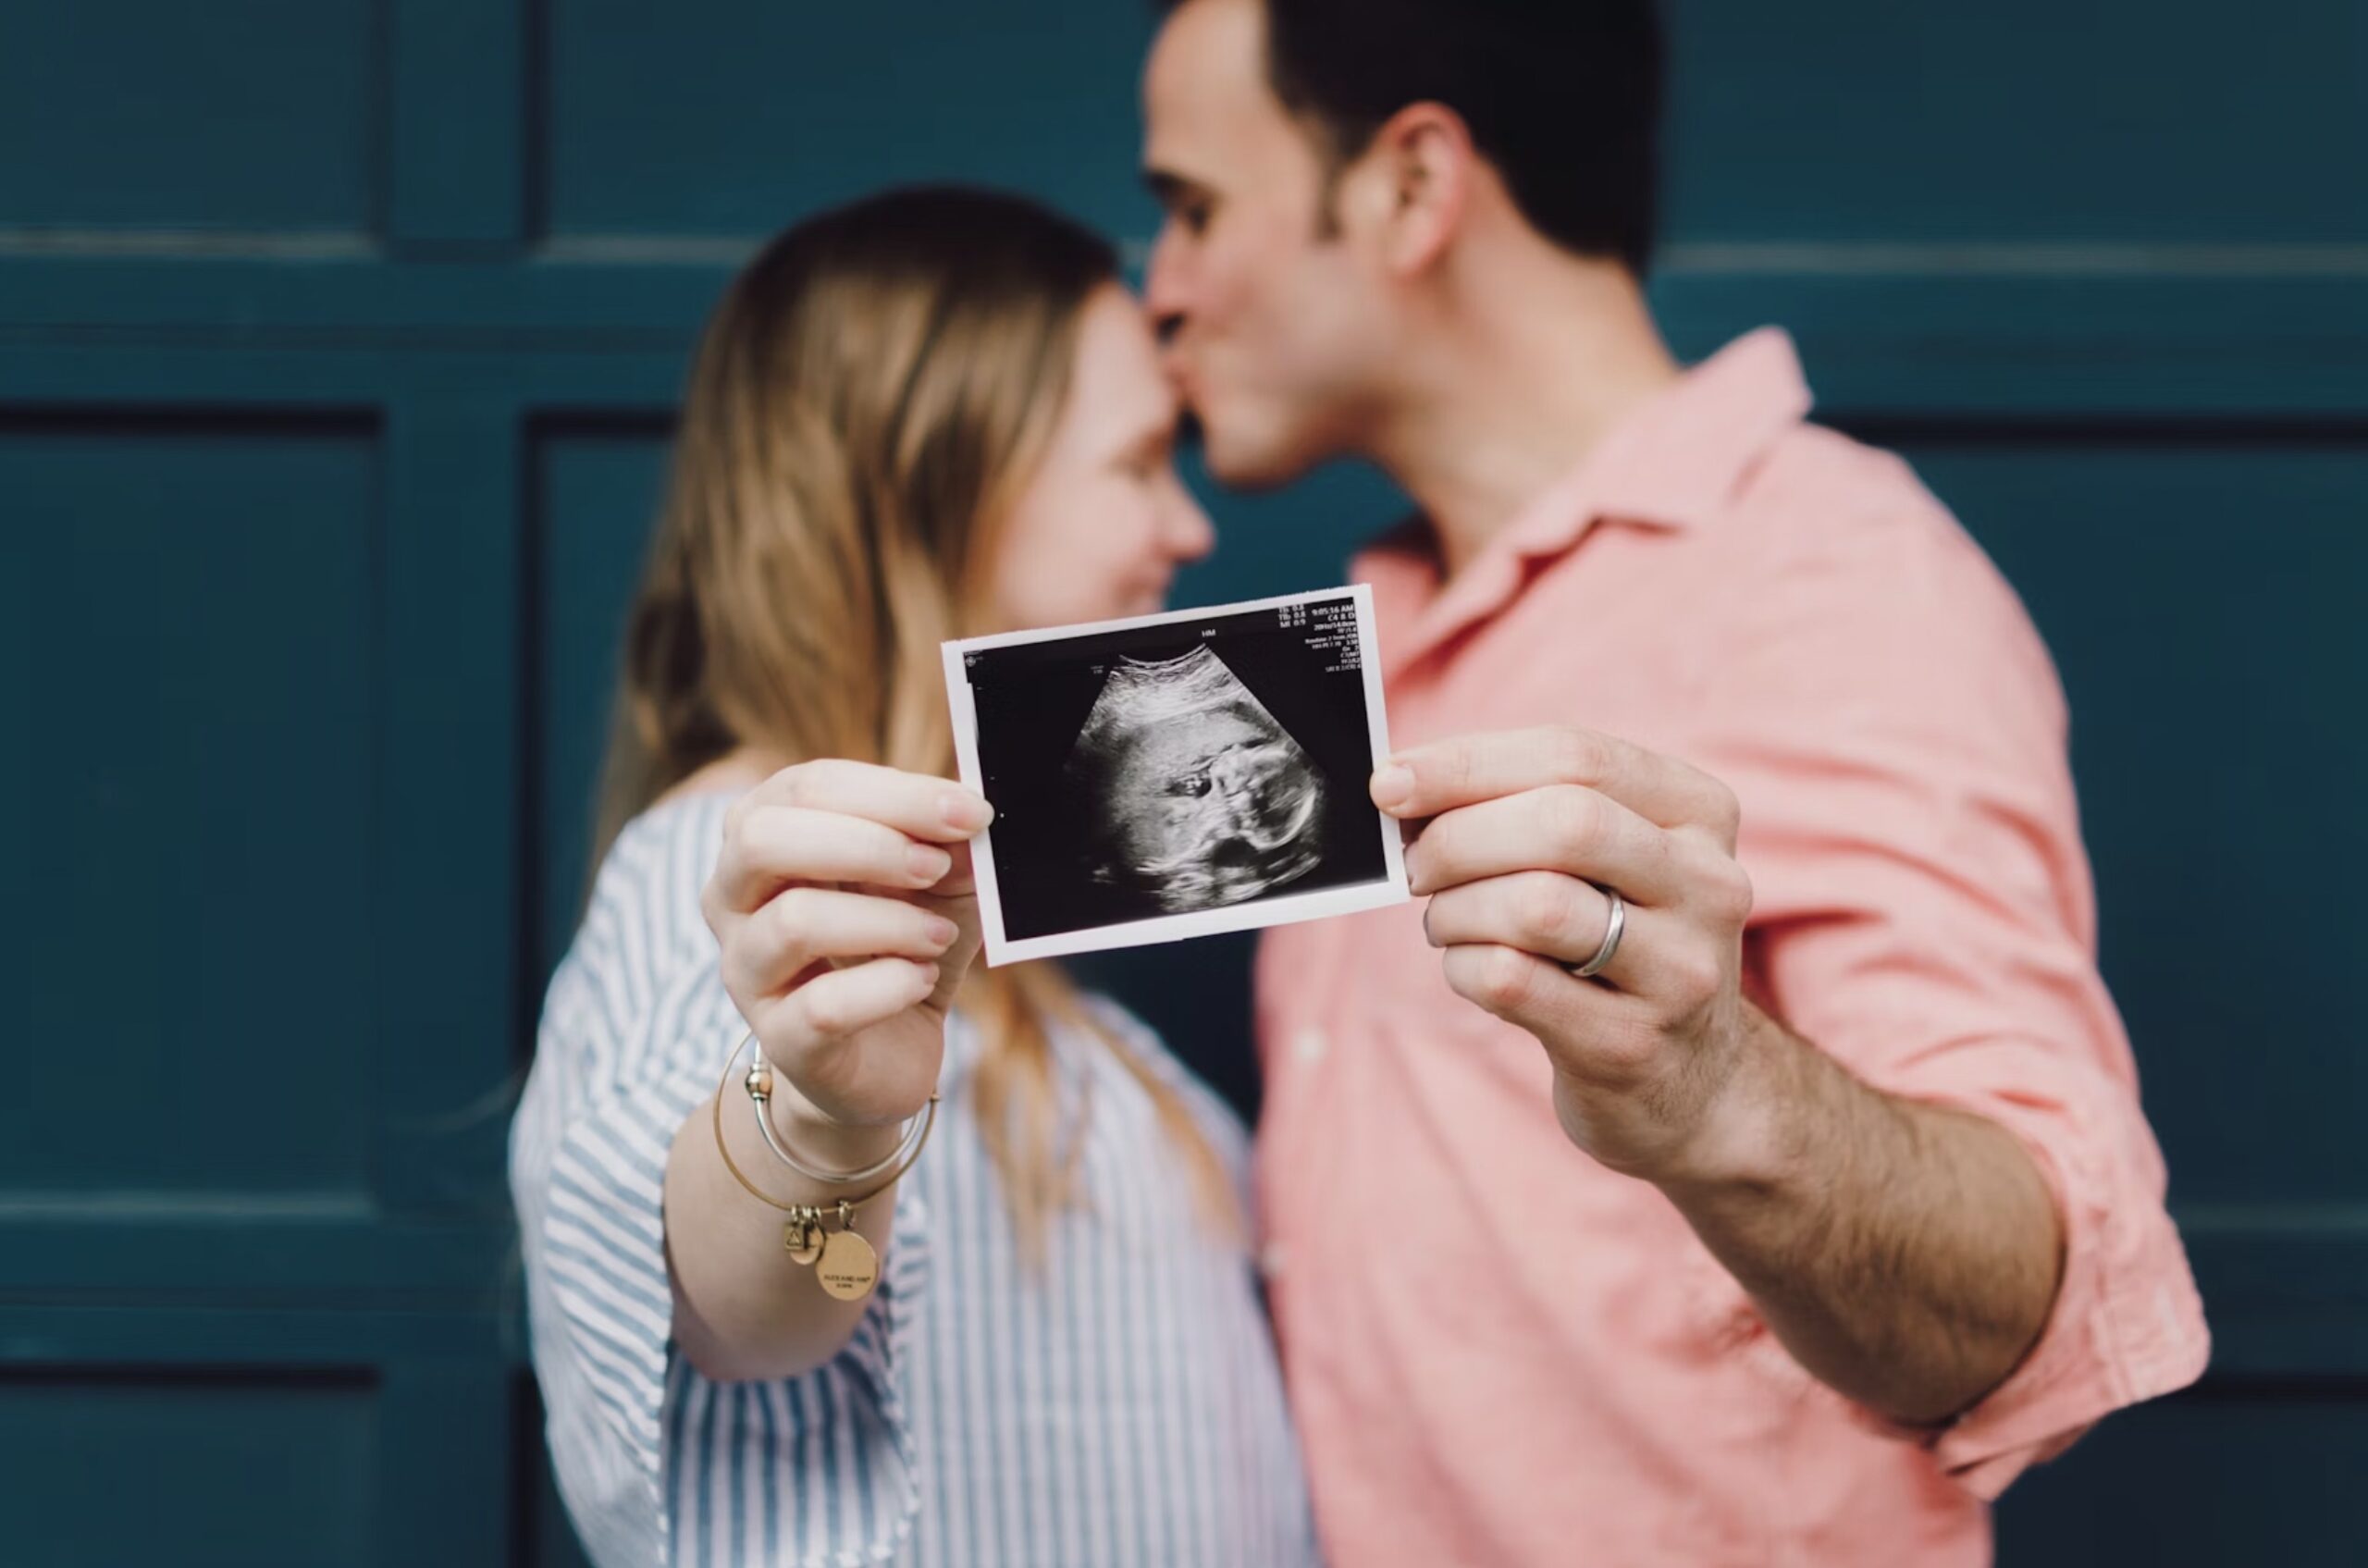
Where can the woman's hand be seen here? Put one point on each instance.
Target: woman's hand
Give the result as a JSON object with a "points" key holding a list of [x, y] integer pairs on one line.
{"points": [[845, 906]]}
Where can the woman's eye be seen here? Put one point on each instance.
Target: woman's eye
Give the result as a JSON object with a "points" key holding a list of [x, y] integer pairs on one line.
{"points": [[1191, 783]]}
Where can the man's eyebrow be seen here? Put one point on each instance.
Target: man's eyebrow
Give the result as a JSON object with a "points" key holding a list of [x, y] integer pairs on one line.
{"points": [[1171, 187]]}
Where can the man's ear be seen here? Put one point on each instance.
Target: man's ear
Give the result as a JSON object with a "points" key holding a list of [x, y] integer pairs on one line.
{"points": [[1422, 160]]}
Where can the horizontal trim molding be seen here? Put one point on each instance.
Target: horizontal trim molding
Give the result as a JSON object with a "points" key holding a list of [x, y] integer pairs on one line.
{"points": [[211, 1249], [2284, 1288], [2211, 339], [1702, 257], [2098, 259], [192, 244], [270, 1336]]}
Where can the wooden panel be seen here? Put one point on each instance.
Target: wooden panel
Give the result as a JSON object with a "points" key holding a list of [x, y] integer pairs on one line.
{"points": [[445, 817], [198, 604], [546, 1537], [458, 99], [2229, 1474], [256, 1437], [124, 114], [712, 118], [596, 488], [239, 1469], [2018, 122]]}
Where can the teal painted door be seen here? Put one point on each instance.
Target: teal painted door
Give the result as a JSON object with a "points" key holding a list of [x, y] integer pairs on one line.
{"points": [[338, 342]]}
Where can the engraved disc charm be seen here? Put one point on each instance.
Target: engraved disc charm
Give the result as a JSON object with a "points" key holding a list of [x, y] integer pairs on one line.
{"points": [[803, 1239], [849, 1267]]}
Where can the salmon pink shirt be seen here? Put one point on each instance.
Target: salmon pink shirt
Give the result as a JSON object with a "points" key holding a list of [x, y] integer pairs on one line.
{"points": [[1501, 1353]]}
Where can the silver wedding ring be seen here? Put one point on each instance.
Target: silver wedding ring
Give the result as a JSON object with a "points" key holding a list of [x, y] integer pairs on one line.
{"points": [[1611, 935]]}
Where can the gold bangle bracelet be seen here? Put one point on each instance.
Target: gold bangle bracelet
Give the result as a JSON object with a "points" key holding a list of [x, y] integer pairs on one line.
{"points": [[759, 1081], [921, 1137]]}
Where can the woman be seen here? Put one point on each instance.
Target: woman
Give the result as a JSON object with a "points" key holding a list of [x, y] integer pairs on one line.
{"points": [[929, 414]]}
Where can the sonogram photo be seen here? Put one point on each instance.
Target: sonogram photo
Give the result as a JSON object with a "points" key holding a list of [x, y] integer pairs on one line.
{"points": [[1202, 770], [1195, 796]]}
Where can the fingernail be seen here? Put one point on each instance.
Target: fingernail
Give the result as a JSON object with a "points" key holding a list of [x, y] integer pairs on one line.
{"points": [[1394, 785], [942, 930], [929, 864], [964, 811]]}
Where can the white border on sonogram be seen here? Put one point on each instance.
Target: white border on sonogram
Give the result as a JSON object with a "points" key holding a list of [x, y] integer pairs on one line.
{"points": [[1283, 909]]}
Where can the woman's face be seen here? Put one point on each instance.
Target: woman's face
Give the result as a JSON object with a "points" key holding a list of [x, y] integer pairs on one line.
{"points": [[1104, 521]]}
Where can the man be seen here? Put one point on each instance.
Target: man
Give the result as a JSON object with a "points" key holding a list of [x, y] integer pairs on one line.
{"points": [[1828, 1204]]}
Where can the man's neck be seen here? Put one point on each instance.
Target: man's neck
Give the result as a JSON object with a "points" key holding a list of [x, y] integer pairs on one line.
{"points": [[1540, 361]]}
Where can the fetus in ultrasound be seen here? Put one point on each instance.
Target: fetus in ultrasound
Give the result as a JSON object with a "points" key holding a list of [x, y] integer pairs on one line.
{"points": [[1197, 797]]}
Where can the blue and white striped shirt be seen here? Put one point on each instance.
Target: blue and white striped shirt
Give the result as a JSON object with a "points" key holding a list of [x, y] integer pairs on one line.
{"points": [[1119, 1404]]}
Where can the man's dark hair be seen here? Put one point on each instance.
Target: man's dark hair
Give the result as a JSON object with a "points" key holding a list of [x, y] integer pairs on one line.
{"points": [[1562, 97]]}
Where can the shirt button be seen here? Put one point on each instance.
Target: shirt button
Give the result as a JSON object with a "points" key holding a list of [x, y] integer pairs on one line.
{"points": [[1271, 1258], [1308, 1046]]}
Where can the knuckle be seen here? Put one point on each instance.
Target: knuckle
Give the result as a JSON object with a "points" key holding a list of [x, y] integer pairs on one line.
{"points": [[1463, 976], [1733, 895], [1460, 771], [1547, 907], [1695, 977], [791, 915], [1504, 979], [728, 968], [753, 846], [739, 973], [1623, 1057], [1574, 818], [1725, 806], [1573, 753], [826, 1013]]}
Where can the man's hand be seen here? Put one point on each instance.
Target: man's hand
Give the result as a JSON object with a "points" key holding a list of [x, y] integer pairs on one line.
{"points": [[1907, 1253], [1520, 833]]}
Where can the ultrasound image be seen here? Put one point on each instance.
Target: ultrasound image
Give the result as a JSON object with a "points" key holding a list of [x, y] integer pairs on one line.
{"points": [[1179, 768], [1200, 798]]}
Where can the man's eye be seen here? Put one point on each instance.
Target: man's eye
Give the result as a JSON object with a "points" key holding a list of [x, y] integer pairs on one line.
{"points": [[1194, 217], [1191, 783]]}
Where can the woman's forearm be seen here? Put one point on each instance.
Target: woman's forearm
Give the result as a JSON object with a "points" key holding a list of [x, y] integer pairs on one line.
{"points": [[745, 1309]]}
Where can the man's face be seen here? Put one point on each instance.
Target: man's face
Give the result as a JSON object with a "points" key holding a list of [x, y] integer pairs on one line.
{"points": [[1275, 330]]}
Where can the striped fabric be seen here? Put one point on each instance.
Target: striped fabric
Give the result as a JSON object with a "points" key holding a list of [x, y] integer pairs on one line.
{"points": [[1117, 1404]]}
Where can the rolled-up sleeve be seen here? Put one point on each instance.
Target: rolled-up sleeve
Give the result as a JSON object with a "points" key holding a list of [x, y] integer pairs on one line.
{"points": [[588, 1152], [1924, 914]]}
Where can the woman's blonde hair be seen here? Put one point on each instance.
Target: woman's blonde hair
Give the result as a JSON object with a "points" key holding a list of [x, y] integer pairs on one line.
{"points": [[866, 403]]}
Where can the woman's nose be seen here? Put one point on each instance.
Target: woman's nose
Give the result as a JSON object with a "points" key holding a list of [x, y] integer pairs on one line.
{"points": [[1189, 534]]}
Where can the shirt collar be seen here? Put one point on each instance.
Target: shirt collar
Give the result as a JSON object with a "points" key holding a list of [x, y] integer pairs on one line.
{"points": [[1670, 463], [1673, 462]]}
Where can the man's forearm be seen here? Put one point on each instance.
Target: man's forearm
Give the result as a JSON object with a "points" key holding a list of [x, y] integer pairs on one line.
{"points": [[1907, 1253]]}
